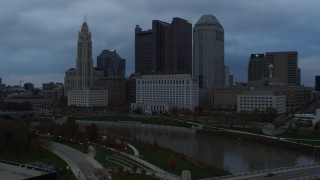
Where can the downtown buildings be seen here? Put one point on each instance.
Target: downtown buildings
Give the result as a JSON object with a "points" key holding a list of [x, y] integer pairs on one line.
{"points": [[163, 67], [284, 67], [166, 48]]}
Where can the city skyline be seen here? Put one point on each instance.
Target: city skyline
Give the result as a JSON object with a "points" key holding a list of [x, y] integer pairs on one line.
{"points": [[38, 39]]}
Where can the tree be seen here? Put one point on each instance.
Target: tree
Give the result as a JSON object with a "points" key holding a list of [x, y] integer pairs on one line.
{"points": [[172, 163], [137, 110], [15, 136], [271, 114], [255, 115], [317, 126], [244, 116], [92, 132], [70, 127], [174, 111], [198, 110]]}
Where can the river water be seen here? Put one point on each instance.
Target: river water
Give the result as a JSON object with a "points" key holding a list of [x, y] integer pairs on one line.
{"points": [[232, 155]]}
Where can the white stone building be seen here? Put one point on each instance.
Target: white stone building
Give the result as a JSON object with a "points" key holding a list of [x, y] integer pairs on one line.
{"points": [[87, 97], [260, 100], [158, 93]]}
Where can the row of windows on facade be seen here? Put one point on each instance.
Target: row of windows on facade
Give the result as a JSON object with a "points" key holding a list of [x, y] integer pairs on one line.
{"points": [[165, 98], [241, 97], [165, 82], [176, 91], [253, 108], [249, 105], [263, 101], [175, 103]]}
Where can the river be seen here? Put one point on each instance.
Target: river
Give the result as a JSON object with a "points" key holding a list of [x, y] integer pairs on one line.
{"points": [[233, 155]]}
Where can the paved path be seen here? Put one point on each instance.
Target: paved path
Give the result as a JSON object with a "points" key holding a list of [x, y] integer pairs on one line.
{"points": [[82, 165], [135, 150], [158, 172]]}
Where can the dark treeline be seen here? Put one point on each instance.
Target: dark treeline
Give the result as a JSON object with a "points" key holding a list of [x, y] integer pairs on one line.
{"points": [[7, 106]]}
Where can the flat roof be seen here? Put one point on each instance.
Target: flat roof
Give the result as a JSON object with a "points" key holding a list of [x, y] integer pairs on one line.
{"points": [[9, 171]]}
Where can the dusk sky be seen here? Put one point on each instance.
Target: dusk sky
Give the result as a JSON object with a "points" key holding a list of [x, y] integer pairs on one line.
{"points": [[39, 37]]}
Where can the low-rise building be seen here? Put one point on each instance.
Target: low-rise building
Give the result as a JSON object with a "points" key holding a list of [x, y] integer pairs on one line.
{"points": [[88, 97], [52, 92], [158, 93], [261, 100]]}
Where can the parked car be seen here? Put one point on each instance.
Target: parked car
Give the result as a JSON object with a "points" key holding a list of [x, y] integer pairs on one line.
{"points": [[269, 174]]}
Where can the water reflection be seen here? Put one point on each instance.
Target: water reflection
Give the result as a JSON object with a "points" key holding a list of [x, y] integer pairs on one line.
{"points": [[232, 155]]}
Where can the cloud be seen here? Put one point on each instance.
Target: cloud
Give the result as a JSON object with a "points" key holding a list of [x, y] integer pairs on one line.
{"points": [[39, 37]]}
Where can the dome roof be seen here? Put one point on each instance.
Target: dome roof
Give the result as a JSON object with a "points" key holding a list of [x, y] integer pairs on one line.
{"points": [[208, 20]]}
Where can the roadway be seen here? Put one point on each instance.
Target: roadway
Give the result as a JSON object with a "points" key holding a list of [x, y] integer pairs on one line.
{"points": [[310, 172], [80, 164]]}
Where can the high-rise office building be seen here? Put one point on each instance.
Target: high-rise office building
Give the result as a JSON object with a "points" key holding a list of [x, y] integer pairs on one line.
{"points": [[143, 50], [282, 66], [285, 66], [317, 83], [167, 48], [258, 67], [111, 63], [82, 83], [84, 75], [208, 52]]}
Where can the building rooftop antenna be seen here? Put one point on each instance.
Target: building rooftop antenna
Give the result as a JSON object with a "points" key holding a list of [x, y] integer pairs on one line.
{"points": [[85, 18]]}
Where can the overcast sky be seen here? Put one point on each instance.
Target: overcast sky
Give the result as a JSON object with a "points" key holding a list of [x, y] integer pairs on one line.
{"points": [[39, 37]]}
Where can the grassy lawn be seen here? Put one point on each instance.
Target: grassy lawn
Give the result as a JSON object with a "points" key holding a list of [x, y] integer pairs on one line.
{"points": [[303, 134], [44, 156], [144, 120], [100, 156], [165, 159]]}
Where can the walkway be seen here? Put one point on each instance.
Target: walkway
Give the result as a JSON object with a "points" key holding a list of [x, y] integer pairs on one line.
{"points": [[82, 165], [135, 150], [156, 171]]}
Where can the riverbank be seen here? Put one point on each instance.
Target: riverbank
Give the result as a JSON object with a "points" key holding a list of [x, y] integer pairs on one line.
{"points": [[266, 140]]}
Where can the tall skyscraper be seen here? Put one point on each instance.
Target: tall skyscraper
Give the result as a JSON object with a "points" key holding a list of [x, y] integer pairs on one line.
{"points": [[111, 63], [82, 83], [258, 67], [84, 63], [208, 52], [317, 83], [168, 45], [285, 66], [143, 50], [84, 75]]}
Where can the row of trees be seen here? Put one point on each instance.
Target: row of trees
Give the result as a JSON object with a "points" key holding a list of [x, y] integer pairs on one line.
{"points": [[269, 115], [16, 137], [70, 130], [15, 106]]}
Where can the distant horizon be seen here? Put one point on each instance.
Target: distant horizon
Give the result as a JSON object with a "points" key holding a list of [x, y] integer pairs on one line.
{"points": [[39, 43]]}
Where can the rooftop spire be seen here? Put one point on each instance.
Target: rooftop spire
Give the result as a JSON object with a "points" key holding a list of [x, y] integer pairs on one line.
{"points": [[85, 18]]}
